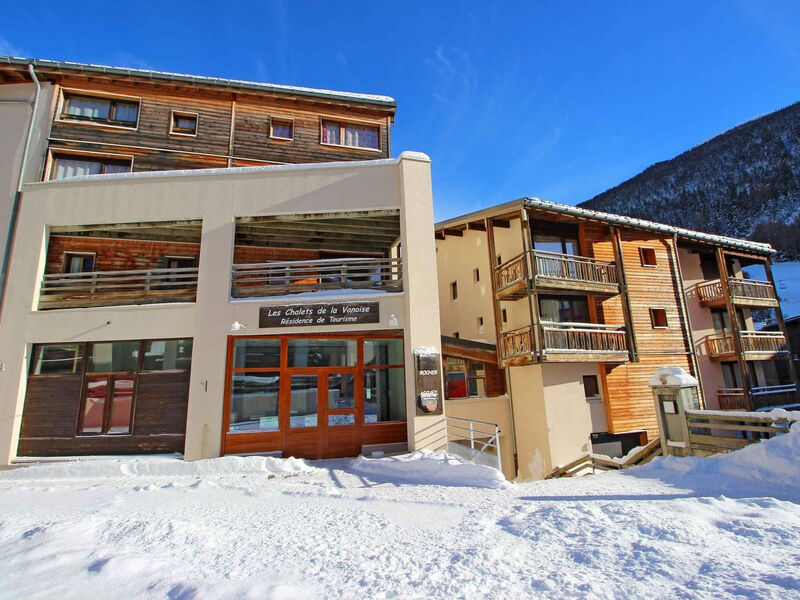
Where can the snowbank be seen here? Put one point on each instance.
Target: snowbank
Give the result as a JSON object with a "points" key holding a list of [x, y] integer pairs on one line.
{"points": [[158, 466], [431, 468], [772, 462]]}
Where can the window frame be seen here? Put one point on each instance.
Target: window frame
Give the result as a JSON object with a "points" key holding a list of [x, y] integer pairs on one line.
{"points": [[467, 378], [55, 153], [654, 320], [281, 118], [62, 117], [69, 253], [342, 125], [644, 251], [183, 113]]}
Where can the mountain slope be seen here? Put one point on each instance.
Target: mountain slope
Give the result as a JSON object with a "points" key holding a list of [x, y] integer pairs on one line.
{"points": [[744, 182]]}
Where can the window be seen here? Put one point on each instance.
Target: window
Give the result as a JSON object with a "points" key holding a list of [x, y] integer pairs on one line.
{"points": [[92, 109], [352, 135], [591, 389], [648, 257], [480, 323], [109, 372], [454, 290], [66, 165], [465, 378], [499, 260], [384, 381], [183, 123], [78, 262], [505, 316], [564, 309], [559, 244], [476, 275], [281, 129], [456, 335], [658, 318]]}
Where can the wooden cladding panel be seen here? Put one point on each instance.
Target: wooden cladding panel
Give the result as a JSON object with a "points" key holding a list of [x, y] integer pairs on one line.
{"points": [[384, 433], [51, 406], [251, 139], [115, 254], [255, 254], [154, 148], [49, 418], [162, 400], [495, 381], [630, 398]]}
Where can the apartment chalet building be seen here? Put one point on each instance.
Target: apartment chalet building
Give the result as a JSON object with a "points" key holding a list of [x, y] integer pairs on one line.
{"points": [[210, 266], [582, 307]]}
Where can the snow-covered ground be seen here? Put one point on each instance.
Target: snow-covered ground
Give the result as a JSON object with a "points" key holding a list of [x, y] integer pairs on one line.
{"points": [[420, 526], [787, 279]]}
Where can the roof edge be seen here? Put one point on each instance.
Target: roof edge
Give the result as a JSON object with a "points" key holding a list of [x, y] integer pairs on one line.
{"points": [[374, 99]]}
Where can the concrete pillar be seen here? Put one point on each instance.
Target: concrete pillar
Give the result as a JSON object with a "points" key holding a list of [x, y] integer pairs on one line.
{"points": [[421, 291]]}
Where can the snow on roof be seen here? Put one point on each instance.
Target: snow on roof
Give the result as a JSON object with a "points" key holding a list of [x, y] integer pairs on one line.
{"points": [[596, 215], [201, 80], [673, 377]]}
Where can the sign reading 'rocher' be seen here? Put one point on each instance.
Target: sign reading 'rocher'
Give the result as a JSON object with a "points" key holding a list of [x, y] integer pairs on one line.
{"points": [[303, 315]]}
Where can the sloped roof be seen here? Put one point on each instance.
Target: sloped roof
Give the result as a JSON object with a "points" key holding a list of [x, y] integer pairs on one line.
{"points": [[88, 68]]}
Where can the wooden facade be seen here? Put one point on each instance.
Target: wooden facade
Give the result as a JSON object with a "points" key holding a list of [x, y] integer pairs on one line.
{"points": [[233, 122]]}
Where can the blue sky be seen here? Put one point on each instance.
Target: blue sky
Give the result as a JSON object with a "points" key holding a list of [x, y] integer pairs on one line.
{"points": [[548, 99]]}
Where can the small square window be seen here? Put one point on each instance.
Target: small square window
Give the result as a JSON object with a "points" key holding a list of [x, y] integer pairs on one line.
{"points": [[183, 123], [476, 275], [591, 389], [648, 256], [78, 262], [658, 317], [281, 129], [454, 290]]}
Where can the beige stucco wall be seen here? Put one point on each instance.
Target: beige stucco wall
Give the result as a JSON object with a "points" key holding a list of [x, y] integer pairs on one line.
{"points": [[702, 327], [530, 421], [216, 197], [490, 410], [15, 119]]}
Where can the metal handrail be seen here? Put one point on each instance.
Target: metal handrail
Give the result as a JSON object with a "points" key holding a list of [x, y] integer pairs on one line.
{"points": [[477, 444]]}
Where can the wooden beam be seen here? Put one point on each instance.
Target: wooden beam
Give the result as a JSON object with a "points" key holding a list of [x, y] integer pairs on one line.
{"points": [[529, 264], [476, 226], [627, 310], [505, 224], [744, 369], [454, 232]]}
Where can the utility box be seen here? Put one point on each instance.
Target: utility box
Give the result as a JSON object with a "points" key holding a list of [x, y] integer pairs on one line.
{"points": [[674, 392]]}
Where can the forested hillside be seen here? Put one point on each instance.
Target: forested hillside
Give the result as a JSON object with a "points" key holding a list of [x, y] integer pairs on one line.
{"points": [[744, 182]]}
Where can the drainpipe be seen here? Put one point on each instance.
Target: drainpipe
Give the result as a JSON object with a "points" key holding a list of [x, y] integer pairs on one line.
{"points": [[685, 307], [12, 226]]}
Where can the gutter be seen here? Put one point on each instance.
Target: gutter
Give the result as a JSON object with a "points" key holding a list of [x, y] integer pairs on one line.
{"points": [[12, 226]]}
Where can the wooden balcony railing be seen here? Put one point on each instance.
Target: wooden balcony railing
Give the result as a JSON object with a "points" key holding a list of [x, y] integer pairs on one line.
{"points": [[753, 342], [278, 278], [743, 291], [583, 337], [556, 271], [574, 268], [114, 288], [579, 340], [510, 272], [769, 342], [516, 343], [760, 397]]}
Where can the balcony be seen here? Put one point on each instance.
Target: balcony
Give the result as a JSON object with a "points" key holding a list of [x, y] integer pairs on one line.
{"points": [[756, 345], [761, 397], [744, 292], [292, 277], [116, 288], [558, 273], [565, 342]]}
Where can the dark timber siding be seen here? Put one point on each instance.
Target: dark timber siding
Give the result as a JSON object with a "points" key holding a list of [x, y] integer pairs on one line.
{"points": [[52, 402]]}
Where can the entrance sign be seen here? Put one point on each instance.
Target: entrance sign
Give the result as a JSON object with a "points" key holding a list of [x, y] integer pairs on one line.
{"points": [[309, 315], [428, 381]]}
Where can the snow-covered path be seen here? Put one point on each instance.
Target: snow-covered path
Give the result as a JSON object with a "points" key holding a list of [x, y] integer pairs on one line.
{"points": [[231, 528]]}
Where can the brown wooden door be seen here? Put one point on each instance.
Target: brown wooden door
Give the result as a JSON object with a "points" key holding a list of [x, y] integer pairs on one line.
{"points": [[301, 423], [343, 413]]}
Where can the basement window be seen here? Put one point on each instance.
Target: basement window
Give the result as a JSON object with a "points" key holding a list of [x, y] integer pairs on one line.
{"points": [[183, 123], [658, 318], [648, 257]]}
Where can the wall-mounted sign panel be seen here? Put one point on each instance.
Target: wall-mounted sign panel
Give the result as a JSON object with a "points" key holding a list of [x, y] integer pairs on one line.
{"points": [[428, 381], [313, 315]]}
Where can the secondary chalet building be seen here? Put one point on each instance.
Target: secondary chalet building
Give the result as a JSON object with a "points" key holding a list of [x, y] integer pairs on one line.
{"points": [[210, 266], [581, 308]]}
